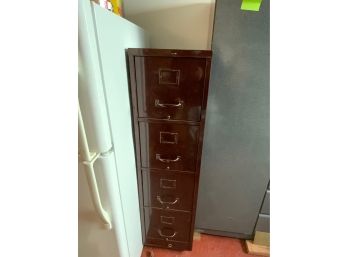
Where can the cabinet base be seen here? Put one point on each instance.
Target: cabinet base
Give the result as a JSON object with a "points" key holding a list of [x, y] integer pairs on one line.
{"points": [[223, 233]]}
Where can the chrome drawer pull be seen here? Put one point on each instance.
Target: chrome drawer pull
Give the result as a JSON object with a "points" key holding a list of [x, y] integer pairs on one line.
{"points": [[158, 157], [160, 233], [171, 203], [158, 104]]}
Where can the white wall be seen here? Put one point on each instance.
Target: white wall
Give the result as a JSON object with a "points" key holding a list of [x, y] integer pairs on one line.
{"points": [[178, 24]]}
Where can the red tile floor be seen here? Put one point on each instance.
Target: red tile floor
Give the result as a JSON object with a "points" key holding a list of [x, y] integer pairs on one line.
{"points": [[204, 246]]}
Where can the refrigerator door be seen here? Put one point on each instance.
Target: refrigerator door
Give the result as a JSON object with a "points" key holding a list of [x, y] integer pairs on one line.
{"points": [[91, 92], [115, 35]]}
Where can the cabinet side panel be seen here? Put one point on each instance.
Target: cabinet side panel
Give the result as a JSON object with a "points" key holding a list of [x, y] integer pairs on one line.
{"points": [[133, 96], [199, 148], [235, 158]]}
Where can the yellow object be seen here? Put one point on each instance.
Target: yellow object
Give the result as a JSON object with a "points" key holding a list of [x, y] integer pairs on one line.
{"points": [[251, 5], [117, 7]]}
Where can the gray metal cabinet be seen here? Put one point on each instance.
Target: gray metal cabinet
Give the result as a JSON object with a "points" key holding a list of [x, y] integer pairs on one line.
{"points": [[266, 204], [235, 160], [263, 221]]}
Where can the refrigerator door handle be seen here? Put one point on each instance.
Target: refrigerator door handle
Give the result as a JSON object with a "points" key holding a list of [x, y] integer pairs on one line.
{"points": [[89, 159]]}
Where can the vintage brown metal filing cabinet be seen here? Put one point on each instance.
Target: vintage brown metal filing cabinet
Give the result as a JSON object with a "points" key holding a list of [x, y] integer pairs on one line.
{"points": [[169, 91]]}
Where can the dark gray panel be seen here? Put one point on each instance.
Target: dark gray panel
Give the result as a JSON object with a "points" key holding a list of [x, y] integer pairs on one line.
{"points": [[262, 224], [235, 160], [224, 233], [265, 205]]}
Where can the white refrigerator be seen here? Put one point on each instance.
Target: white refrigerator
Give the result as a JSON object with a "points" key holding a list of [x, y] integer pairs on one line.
{"points": [[108, 208]]}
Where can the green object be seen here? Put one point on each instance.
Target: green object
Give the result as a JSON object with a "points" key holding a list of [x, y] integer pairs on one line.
{"points": [[251, 5]]}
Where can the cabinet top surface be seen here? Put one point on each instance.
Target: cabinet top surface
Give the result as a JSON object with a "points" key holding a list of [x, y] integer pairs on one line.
{"points": [[169, 52]]}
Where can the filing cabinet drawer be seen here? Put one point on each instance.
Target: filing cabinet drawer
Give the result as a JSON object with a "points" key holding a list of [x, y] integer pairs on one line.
{"points": [[168, 146], [168, 190], [167, 225], [169, 87], [175, 245]]}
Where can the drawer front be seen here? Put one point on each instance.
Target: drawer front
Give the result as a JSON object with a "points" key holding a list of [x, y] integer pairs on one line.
{"points": [[167, 190], [170, 88], [168, 146], [168, 244], [167, 225]]}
